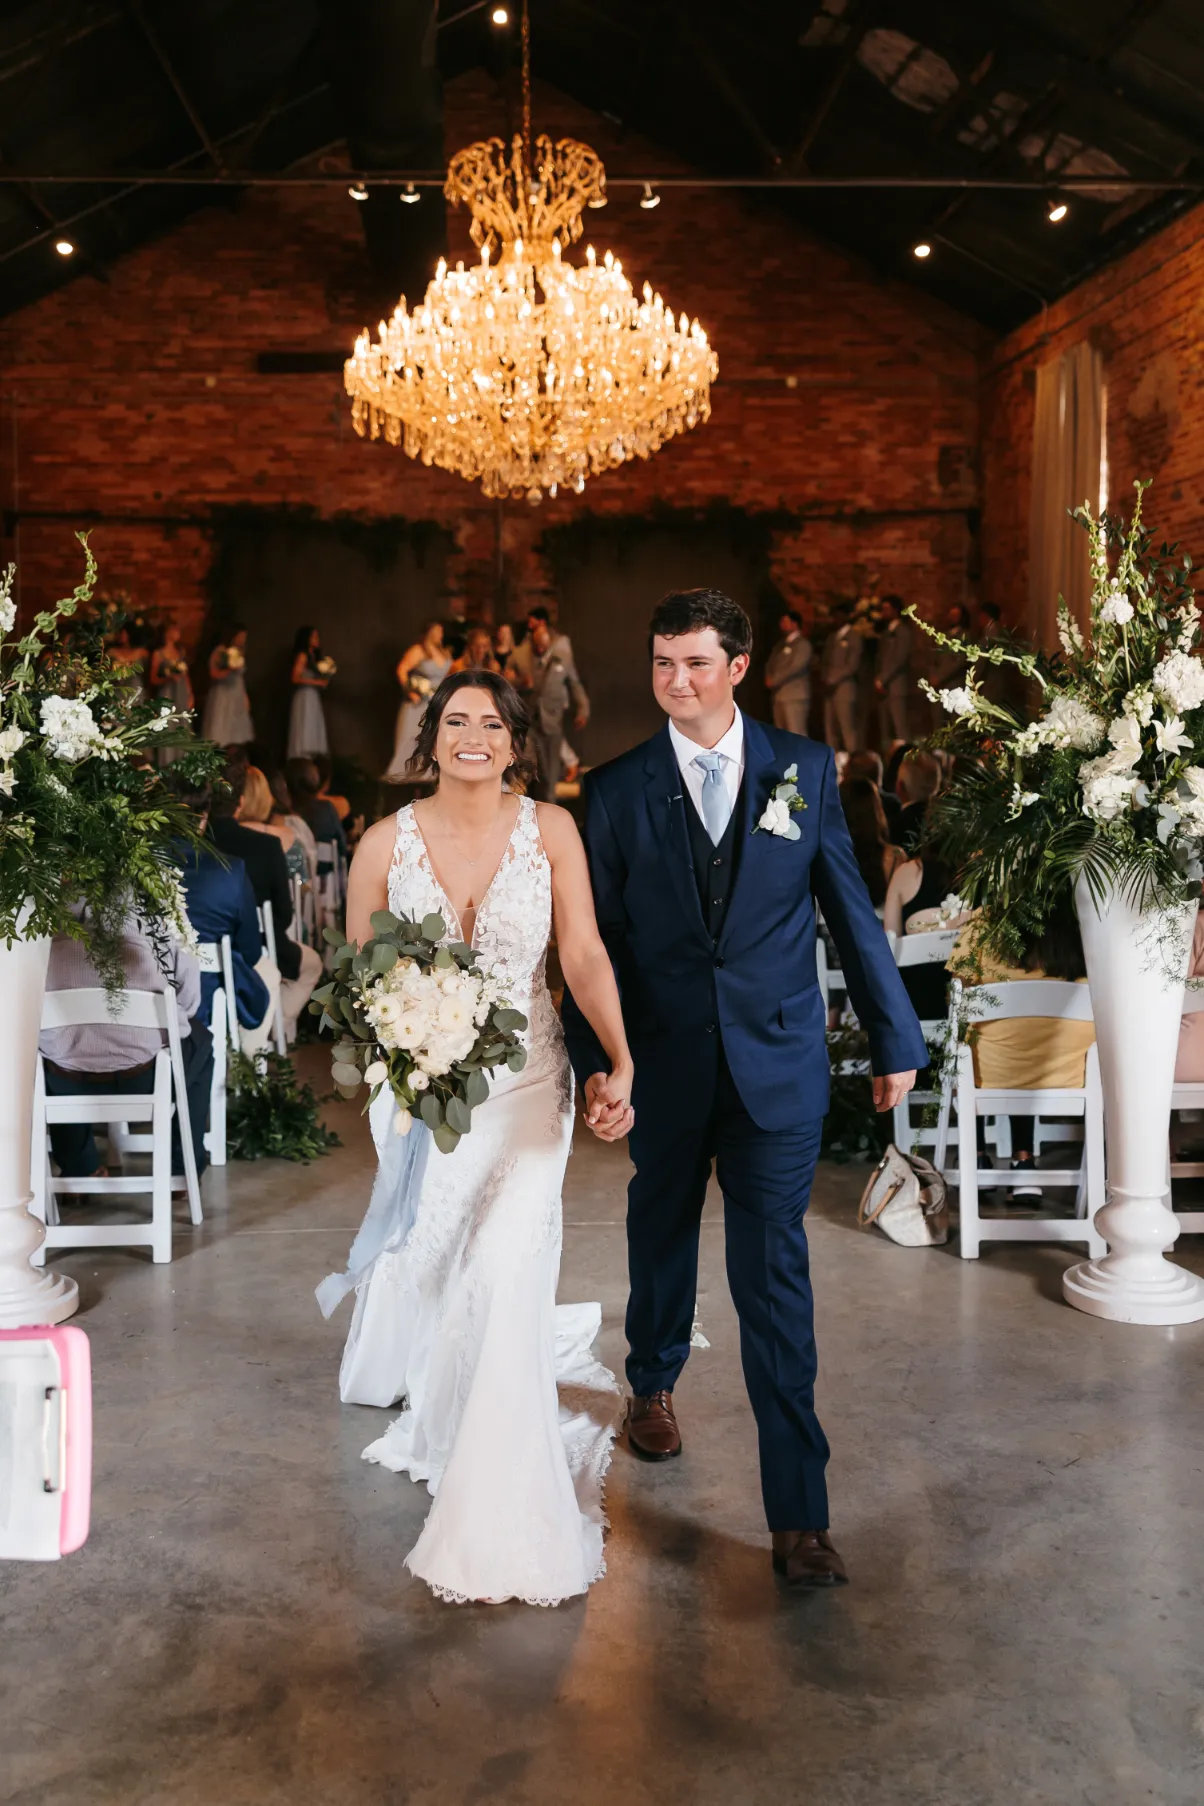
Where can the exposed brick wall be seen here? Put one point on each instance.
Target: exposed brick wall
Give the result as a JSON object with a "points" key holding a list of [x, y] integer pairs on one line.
{"points": [[138, 400], [1146, 314]]}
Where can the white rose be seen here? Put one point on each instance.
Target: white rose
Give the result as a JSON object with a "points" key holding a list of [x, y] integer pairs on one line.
{"points": [[776, 817], [1179, 681], [11, 742], [957, 702], [1117, 609], [376, 1074]]}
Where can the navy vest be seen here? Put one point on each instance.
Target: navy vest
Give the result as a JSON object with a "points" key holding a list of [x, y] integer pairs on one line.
{"points": [[714, 866]]}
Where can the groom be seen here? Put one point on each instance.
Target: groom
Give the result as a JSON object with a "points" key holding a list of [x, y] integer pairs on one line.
{"points": [[710, 924]]}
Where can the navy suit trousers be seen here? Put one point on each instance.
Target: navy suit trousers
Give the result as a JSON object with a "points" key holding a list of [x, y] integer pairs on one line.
{"points": [[765, 1177]]}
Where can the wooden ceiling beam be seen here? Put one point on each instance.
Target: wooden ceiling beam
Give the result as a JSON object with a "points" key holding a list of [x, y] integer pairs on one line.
{"points": [[158, 49]]}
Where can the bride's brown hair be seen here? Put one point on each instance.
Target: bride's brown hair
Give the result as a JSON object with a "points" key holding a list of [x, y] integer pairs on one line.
{"points": [[510, 707]]}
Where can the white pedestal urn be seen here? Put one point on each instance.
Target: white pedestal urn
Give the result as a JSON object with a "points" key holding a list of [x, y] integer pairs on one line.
{"points": [[1137, 999], [27, 1294]]}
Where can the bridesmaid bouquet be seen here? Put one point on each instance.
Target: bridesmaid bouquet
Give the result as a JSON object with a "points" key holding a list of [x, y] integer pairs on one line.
{"points": [[233, 659], [416, 1012], [325, 665]]}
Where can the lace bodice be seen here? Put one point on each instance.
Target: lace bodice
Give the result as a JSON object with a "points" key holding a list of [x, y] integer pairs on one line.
{"points": [[513, 921]]}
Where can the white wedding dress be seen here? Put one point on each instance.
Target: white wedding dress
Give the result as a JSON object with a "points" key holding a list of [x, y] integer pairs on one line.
{"points": [[507, 1415]]}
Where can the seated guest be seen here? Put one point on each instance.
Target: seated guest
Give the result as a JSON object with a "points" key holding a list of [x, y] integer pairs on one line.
{"points": [[918, 781], [921, 883], [258, 812], [315, 810], [109, 1057], [1028, 1053], [339, 804], [285, 816], [869, 765], [1189, 1061], [220, 900], [890, 781], [263, 856], [877, 858]]}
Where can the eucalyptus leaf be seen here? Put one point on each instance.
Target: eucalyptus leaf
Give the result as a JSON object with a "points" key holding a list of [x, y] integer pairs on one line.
{"points": [[431, 1110], [320, 995], [443, 958], [446, 1139], [343, 1073], [334, 937], [477, 1088], [384, 957], [508, 1020], [433, 927], [458, 1115], [384, 921], [516, 1058]]}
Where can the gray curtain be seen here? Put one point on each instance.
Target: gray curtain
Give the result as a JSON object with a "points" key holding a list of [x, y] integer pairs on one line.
{"points": [[1068, 436]]}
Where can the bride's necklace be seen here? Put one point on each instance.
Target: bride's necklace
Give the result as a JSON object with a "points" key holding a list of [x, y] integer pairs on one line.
{"points": [[469, 861]]}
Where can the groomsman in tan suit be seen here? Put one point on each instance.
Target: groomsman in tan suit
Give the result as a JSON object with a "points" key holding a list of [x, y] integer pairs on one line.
{"points": [[788, 675], [841, 665], [892, 673]]}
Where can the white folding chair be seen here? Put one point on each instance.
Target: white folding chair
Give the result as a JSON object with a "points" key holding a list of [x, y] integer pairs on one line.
{"points": [[139, 1009], [303, 910], [932, 949], [821, 967], [218, 956], [267, 933], [1022, 999], [1188, 1096], [215, 1135]]}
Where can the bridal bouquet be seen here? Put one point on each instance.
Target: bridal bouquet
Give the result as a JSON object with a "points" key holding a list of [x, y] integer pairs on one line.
{"points": [[415, 1011], [85, 815], [1107, 781]]}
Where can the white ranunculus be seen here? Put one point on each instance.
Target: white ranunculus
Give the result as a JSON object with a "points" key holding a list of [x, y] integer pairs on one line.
{"points": [[1117, 609], [1170, 736], [775, 818], [1125, 735], [376, 1074], [1179, 681], [455, 1015], [11, 741], [411, 1027], [70, 730], [385, 1010], [957, 702]]}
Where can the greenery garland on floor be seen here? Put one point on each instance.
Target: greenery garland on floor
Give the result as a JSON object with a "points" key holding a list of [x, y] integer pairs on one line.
{"points": [[269, 1115]]}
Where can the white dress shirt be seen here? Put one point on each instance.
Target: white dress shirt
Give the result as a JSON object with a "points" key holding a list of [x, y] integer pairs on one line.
{"points": [[730, 750]]}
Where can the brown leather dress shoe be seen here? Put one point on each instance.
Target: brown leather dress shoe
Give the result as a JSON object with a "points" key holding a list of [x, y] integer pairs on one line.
{"points": [[806, 1558], [652, 1430]]}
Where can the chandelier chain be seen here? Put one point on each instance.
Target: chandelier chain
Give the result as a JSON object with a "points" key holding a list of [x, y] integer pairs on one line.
{"points": [[527, 87]]}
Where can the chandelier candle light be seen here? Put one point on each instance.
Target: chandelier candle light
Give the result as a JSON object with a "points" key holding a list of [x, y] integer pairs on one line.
{"points": [[529, 372]]}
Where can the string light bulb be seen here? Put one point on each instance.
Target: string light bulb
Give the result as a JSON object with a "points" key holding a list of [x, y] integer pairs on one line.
{"points": [[922, 250], [64, 247], [649, 200], [410, 194], [1057, 212], [358, 192]]}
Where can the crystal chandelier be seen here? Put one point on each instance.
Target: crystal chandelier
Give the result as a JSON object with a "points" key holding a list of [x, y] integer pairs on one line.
{"points": [[529, 372]]}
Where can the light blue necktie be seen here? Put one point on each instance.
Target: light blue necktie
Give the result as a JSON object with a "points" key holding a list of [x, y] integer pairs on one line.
{"points": [[716, 809]]}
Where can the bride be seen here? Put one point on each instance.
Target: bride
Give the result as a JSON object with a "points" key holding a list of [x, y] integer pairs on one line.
{"points": [[460, 1321]]}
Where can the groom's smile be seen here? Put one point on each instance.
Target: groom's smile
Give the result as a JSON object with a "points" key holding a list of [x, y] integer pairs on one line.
{"points": [[693, 680]]}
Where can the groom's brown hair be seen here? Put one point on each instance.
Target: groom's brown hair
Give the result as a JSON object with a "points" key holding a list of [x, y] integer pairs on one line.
{"points": [[693, 610]]}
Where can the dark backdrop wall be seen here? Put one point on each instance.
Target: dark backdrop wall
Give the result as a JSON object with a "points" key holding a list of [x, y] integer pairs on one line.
{"points": [[606, 590], [367, 588]]}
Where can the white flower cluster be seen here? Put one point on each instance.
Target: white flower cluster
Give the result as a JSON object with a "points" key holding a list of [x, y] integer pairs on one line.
{"points": [[325, 666], [958, 702], [70, 730], [11, 742], [431, 1013], [1111, 787], [8, 613], [1116, 610], [1178, 681], [1067, 723]]}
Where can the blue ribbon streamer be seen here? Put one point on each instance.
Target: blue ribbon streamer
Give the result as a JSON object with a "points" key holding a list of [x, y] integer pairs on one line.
{"points": [[391, 1211]]}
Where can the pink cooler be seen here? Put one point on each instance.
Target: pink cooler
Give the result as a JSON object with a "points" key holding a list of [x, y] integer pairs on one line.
{"points": [[45, 1442]]}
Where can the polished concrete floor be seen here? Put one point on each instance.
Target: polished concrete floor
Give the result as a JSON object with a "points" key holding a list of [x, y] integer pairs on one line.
{"points": [[1018, 1490]]}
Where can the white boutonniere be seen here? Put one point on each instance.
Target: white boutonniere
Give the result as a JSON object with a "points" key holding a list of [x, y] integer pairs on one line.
{"points": [[775, 818]]}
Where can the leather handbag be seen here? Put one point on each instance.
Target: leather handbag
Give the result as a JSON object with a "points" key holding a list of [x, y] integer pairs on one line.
{"points": [[907, 1199]]}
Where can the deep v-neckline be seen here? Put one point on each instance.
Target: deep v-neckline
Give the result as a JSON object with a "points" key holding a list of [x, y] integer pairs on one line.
{"points": [[428, 857]]}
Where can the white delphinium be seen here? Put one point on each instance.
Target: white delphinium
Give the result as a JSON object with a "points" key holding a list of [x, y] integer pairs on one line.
{"points": [[959, 701], [70, 730], [1111, 788], [1140, 704], [1070, 634], [1116, 610], [1178, 682], [8, 608]]}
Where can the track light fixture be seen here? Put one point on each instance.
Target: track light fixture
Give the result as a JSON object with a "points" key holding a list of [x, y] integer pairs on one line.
{"points": [[64, 247], [410, 194], [358, 192], [648, 199], [1057, 212], [922, 250]]}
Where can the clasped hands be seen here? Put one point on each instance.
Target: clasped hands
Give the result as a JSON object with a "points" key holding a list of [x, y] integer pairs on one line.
{"points": [[608, 1110]]}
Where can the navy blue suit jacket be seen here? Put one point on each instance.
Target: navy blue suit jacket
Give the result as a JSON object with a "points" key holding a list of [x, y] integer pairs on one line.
{"points": [[757, 985], [220, 901]]}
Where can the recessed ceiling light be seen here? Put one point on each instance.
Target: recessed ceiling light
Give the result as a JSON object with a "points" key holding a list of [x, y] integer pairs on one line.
{"points": [[923, 249], [64, 247], [648, 199], [500, 16], [410, 194], [358, 192], [1058, 211]]}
